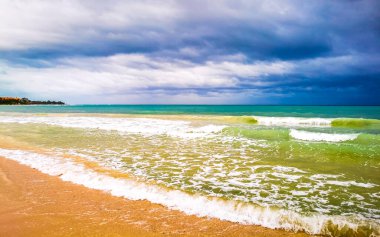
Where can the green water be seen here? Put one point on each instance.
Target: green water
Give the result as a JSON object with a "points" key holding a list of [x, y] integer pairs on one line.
{"points": [[241, 161]]}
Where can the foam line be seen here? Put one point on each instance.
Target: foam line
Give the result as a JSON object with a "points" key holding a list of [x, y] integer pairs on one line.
{"points": [[202, 206]]}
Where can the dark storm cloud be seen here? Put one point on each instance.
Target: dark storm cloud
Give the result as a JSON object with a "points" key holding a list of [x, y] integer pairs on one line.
{"points": [[319, 47], [260, 31]]}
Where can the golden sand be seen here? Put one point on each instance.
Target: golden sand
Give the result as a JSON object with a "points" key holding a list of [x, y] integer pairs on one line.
{"points": [[35, 204]]}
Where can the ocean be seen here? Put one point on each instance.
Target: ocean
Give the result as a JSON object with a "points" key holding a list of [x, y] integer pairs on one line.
{"points": [[299, 168]]}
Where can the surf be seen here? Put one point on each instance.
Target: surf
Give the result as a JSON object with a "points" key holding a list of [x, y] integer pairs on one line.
{"points": [[198, 205], [293, 176], [319, 136]]}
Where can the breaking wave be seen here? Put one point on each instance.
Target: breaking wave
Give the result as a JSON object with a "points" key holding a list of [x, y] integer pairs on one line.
{"points": [[318, 136], [142, 126], [202, 206], [355, 123], [293, 121]]}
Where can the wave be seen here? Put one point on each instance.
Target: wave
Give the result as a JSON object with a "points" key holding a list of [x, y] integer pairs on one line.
{"points": [[293, 121], [317, 122], [355, 123], [318, 136], [235, 119], [202, 206], [285, 134], [142, 126], [168, 126]]}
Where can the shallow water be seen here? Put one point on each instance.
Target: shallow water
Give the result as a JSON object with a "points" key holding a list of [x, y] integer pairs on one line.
{"points": [[293, 173]]}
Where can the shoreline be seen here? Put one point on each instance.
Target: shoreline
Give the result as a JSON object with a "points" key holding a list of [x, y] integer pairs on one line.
{"points": [[74, 150], [36, 204]]}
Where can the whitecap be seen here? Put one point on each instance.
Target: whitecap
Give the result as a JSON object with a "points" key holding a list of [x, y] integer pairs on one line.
{"points": [[293, 121], [318, 136]]}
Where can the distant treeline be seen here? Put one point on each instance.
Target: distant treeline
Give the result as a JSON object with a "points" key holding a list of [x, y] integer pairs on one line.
{"points": [[26, 101]]}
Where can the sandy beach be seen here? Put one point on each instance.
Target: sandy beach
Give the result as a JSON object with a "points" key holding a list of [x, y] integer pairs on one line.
{"points": [[35, 204]]}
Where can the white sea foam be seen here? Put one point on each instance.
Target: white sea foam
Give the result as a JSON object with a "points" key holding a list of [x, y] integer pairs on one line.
{"points": [[68, 170], [293, 121], [350, 183], [317, 136], [142, 126]]}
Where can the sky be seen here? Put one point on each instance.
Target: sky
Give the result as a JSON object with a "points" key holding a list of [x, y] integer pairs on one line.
{"points": [[191, 52]]}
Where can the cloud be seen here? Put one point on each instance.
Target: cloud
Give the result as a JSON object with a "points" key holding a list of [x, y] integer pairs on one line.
{"points": [[261, 30], [136, 74], [138, 78], [35, 23], [191, 51]]}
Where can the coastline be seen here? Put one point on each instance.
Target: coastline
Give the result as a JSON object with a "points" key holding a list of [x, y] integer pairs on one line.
{"points": [[43, 142], [36, 204]]}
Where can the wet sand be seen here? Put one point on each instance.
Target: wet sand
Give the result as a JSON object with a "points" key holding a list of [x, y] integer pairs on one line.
{"points": [[36, 204]]}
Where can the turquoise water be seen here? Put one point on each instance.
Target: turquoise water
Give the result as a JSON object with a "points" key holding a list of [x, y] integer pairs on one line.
{"points": [[281, 111]]}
